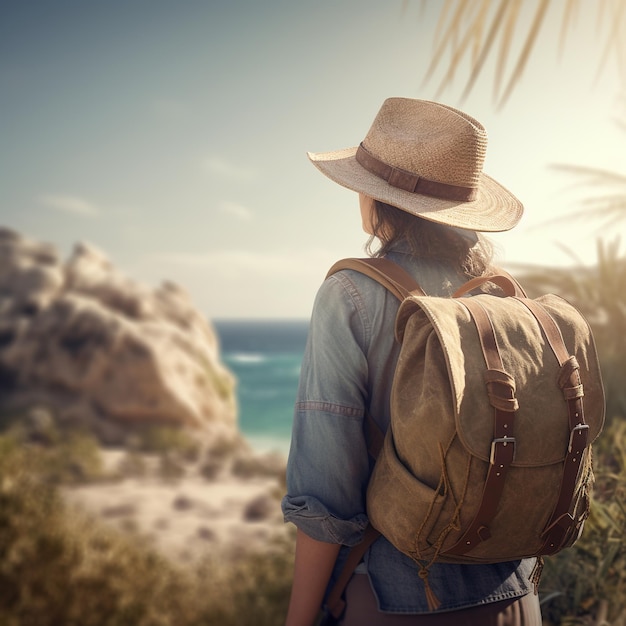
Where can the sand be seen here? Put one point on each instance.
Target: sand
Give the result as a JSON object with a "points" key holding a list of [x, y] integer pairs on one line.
{"points": [[191, 517]]}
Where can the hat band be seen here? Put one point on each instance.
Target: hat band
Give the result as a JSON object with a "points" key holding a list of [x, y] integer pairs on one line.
{"points": [[403, 179]]}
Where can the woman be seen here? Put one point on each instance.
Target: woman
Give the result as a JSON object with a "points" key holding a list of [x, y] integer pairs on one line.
{"points": [[424, 197]]}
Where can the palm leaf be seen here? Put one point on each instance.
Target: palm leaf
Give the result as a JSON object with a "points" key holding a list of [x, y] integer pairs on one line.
{"points": [[445, 35], [479, 61], [569, 17], [472, 33], [514, 7], [610, 207], [613, 39], [479, 27], [593, 175], [528, 45], [471, 29]]}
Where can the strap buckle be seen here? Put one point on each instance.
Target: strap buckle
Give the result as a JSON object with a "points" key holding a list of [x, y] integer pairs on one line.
{"points": [[505, 441], [579, 430]]}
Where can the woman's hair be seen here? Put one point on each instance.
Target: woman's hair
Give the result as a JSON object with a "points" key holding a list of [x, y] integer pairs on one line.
{"points": [[427, 239]]}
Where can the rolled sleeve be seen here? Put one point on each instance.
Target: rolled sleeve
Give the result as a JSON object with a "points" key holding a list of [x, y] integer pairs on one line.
{"points": [[313, 518]]}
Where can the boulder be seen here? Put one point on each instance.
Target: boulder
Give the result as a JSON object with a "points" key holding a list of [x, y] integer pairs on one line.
{"points": [[103, 351]]}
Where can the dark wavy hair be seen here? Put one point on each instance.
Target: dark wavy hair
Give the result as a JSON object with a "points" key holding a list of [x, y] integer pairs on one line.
{"points": [[428, 239]]}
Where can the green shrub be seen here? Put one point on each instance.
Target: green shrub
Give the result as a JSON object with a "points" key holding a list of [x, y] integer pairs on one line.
{"points": [[67, 458], [62, 456], [169, 440]]}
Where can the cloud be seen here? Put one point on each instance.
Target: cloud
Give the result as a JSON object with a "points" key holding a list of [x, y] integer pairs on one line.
{"points": [[70, 204], [225, 169], [236, 210]]}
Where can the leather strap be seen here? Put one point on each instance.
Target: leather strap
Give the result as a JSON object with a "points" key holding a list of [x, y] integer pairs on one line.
{"points": [[501, 392], [374, 436], [569, 380], [503, 280], [561, 519], [409, 181], [335, 602], [389, 274]]}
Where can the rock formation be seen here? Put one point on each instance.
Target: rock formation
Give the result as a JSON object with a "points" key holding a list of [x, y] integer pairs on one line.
{"points": [[103, 352]]}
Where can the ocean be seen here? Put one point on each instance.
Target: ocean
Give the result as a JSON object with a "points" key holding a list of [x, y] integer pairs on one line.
{"points": [[265, 357]]}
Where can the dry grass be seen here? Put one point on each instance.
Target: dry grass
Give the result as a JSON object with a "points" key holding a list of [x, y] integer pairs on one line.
{"points": [[58, 569]]}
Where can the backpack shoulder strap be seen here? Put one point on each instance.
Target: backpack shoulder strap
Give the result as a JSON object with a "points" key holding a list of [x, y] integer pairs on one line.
{"points": [[505, 281], [335, 603], [389, 274], [518, 285]]}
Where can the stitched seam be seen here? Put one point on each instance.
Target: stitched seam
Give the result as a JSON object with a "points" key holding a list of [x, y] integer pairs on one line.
{"points": [[329, 407]]}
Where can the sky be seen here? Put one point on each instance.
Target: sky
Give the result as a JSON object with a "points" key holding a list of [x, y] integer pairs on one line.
{"points": [[172, 135]]}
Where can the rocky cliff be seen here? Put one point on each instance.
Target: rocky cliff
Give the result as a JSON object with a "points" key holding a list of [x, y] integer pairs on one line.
{"points": [[103, 352]]}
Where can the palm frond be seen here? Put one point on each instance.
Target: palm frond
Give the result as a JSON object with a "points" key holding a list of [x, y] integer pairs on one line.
{"points": [[446, 34], [613, 39], [448, 6], [514, 7], [479, 62], [569, 17], [608, 203], [592, 175], [608, 215], [525, 53], [576, 260], [472, 32], [476, 30], [609, 221]]}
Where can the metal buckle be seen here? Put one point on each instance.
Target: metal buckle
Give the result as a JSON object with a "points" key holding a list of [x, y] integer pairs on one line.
{"points": [[505, 441], [577, 430]]}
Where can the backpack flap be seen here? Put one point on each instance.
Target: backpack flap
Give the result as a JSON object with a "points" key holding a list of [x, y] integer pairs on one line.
{"points": [[541, 421]]}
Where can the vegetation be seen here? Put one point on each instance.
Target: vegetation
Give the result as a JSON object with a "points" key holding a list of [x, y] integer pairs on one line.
{"points": [[587, 583], [61, 569], [473, 31]]}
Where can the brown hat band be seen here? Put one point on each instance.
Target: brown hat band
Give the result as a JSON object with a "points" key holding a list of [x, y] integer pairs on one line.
{"points": [[402, 179]]}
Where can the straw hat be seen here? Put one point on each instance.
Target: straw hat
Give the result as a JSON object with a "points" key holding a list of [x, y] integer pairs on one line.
{"points": [[425, 158]]}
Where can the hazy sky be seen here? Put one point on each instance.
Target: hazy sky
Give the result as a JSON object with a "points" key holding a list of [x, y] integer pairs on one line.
{"points": [[173, 136]]}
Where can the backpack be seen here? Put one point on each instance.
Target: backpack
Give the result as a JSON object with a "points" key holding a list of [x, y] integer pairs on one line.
{"points": [[488, 454]]}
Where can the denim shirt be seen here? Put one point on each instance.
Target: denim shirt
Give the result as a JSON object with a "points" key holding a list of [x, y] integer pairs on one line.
{"points": [[348, 364]]}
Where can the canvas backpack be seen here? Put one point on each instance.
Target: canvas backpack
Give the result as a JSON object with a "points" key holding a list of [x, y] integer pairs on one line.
{"points": [[495, 402]]}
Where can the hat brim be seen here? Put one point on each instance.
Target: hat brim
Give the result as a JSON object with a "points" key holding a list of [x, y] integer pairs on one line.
{"points": [[494, 209]]}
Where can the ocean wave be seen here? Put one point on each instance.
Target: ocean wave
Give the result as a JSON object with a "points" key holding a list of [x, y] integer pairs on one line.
{"points": [[245, 358], [265, 443]]}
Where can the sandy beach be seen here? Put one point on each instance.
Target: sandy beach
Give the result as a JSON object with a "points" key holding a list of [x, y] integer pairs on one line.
{"points": [[187, 518]]}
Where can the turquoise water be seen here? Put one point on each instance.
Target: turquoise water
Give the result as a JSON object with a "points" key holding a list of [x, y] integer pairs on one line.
{"points": [[265, 357]]}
